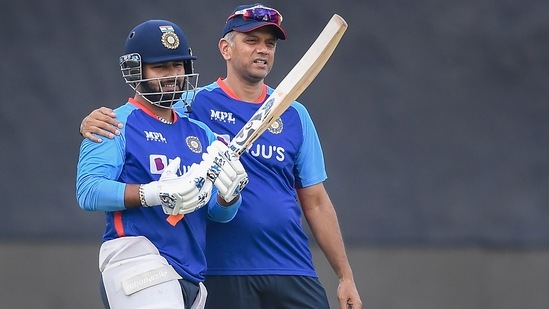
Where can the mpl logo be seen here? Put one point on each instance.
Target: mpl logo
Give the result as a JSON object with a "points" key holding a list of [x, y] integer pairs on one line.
{"points": [[222, 116], [155, 137]]}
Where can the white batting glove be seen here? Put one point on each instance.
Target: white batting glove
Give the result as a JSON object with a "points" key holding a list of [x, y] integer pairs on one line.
{"points": [[227, 173], [179, 195]]}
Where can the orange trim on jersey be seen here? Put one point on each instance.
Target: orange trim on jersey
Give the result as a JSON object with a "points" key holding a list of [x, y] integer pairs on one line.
{"points": [[118, 226], [173, 219], [233, 95], [147, 110]]}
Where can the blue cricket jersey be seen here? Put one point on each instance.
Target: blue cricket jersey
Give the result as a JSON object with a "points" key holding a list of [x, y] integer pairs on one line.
{"points": [[138, 156], [266, 236]]}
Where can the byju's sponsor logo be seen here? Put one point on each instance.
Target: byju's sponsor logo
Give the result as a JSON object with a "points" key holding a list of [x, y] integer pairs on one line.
{"points": [[260, 150], [222, 116], [224, 137], [267, 152], [158, 162], [155, 137]]}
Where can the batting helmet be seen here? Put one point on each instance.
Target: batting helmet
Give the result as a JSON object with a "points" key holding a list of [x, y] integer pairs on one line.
{"points": [[156, 41]]}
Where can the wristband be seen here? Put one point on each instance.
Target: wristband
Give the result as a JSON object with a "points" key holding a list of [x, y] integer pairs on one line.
{"points": [[142, 196]]}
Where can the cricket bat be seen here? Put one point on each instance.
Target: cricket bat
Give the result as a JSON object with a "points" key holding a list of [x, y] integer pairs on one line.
{"points": [[289, 89]]}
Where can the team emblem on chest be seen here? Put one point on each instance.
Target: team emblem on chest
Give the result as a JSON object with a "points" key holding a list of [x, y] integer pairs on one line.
{"points": [[276, 127], [194, 144]]}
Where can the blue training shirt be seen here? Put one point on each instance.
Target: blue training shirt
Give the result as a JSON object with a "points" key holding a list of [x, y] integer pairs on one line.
{"points": [[138, 156], [266, 236]]}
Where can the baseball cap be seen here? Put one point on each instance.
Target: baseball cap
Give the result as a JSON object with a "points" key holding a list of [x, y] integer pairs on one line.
{"points": [[246, 18]]}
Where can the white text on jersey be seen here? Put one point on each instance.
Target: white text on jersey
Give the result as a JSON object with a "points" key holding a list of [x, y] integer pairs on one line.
{"points": [[267, 152], [222, 116], [155, 137]]}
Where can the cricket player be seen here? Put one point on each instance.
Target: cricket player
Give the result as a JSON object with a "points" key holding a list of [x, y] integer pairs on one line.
{"points": [[159, 182]]}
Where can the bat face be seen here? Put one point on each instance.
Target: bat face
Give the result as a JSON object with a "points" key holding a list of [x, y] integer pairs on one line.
{"points": [[247, 135]]}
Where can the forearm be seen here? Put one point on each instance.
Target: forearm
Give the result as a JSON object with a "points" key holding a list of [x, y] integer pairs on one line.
{"points": [[327, 233], [100, 195], [133, 196], [221, 211], [322, 219], [325, 228]]}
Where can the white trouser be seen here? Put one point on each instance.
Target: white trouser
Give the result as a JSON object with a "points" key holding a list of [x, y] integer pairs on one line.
{"points": [[135, 275]]}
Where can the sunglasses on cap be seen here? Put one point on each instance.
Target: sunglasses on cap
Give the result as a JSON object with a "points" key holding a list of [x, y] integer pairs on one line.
{"points": [[259, 13]]}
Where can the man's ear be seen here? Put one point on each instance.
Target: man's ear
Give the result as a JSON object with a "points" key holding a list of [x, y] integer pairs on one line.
{"points": [[223, 46]]}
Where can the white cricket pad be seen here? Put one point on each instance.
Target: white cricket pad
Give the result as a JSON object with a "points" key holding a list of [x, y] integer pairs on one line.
{"points": [[135, 275]]}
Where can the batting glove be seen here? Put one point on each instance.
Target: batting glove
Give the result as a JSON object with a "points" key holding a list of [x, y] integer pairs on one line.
{"points": [[179, 194], [227, 173]]}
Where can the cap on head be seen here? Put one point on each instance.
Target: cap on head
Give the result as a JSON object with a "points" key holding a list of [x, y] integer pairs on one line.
{"points": [[158, 41], [249, 17]]}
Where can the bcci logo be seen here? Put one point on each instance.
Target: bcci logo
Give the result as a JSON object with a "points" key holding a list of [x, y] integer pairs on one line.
{"points": [[194, 144], [276, 127], [169, 39]]}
